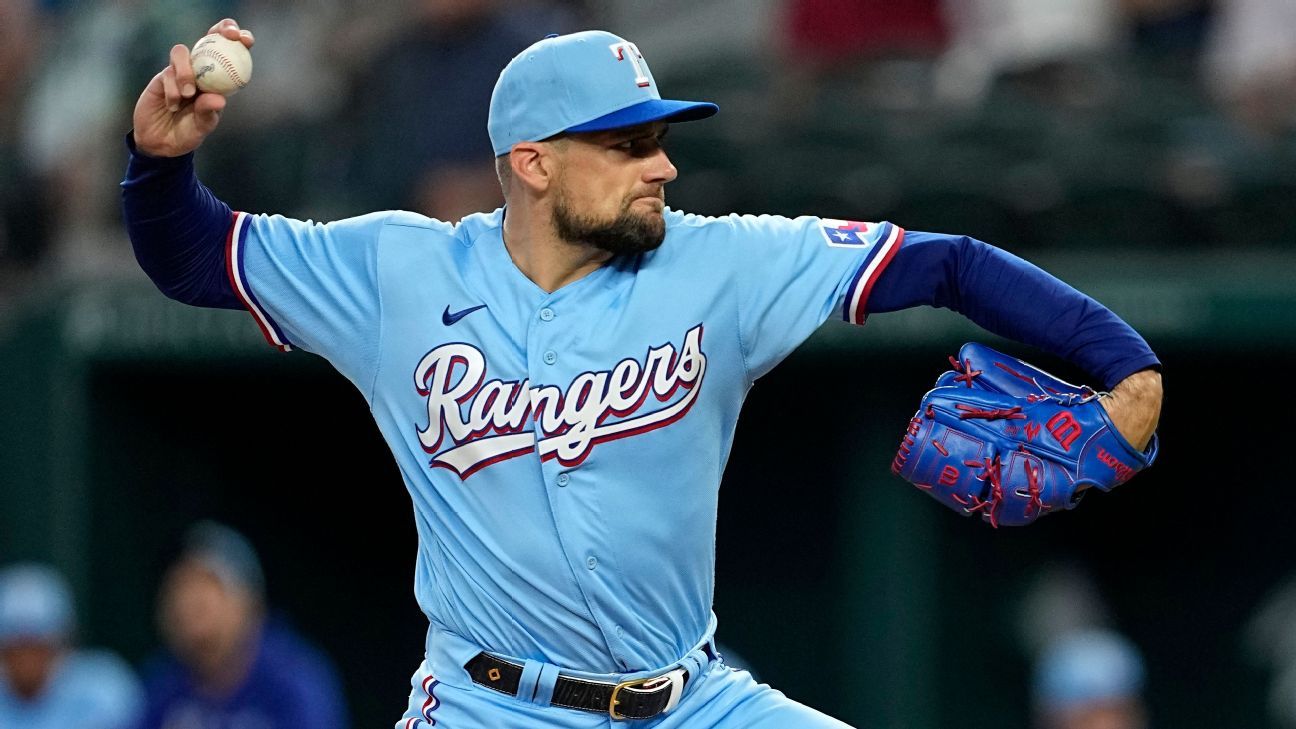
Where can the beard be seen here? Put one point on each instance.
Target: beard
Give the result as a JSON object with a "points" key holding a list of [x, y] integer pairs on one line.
{"points": [[626, 234]]}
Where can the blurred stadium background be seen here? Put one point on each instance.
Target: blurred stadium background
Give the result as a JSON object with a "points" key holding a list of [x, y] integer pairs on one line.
{"points": [[1144, 150]]}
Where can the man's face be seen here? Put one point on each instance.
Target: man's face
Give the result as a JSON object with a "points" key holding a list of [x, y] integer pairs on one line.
{"points": [[1113, 715], [205, 622], [610, 191], [28, 665]]}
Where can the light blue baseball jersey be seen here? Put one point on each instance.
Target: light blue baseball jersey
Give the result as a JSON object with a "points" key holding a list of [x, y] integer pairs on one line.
{"points": [[89, 688], [563, 450]]}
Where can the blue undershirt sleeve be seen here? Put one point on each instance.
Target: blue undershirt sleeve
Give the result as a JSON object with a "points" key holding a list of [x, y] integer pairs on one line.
{"points": [[1012, 298], [178, 229]]}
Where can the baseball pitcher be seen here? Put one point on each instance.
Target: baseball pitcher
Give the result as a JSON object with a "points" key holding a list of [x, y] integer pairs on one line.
{"points": [[559, 380]]}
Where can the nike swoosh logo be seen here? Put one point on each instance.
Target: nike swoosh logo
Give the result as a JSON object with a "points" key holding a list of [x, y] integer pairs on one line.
{"points": [[451, 319]]}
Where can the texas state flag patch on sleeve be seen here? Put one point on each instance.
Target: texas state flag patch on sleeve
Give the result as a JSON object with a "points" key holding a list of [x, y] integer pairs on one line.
{"points": [[845, 233], [878, 243]]}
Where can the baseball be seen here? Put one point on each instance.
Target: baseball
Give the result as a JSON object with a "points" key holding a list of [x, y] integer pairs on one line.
{"points": [[221, 66]]}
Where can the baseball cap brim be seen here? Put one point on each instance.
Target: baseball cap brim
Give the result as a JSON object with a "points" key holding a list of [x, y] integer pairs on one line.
{"points": [[667, 110]]}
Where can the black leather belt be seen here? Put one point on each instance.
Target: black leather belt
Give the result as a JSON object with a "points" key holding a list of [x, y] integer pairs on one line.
{"points": [[639, 699]]}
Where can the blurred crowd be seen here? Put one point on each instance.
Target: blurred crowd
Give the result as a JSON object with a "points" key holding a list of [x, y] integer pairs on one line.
{"points": [[1086, 674], [375, 106], [353, 106], [1241, 49], [228, 660]]}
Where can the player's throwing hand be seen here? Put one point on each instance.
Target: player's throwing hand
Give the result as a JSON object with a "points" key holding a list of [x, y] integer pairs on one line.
{"points": [[172, 117]]}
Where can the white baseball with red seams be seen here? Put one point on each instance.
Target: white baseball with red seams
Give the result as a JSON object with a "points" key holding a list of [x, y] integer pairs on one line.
{"points": [[221, 66]]}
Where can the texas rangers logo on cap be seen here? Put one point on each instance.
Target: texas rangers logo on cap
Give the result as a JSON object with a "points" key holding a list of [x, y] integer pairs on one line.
{"points": [[582, 82]]}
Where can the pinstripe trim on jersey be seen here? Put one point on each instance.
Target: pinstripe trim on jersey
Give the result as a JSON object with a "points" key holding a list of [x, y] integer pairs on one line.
{"points": [[855, 303], [234, 245], [432, 703], [424, 718]]}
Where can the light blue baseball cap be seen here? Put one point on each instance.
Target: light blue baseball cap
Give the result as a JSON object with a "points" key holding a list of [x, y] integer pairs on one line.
{"points": [[1089, 666], [582, 82], [225, 553], [35, 604]]}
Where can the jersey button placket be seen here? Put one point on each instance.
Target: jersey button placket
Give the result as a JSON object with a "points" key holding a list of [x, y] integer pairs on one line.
{"points": [[574, 501]]}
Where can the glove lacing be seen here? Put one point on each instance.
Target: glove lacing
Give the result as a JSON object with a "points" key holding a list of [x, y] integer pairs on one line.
{"points": [[992, 473]]}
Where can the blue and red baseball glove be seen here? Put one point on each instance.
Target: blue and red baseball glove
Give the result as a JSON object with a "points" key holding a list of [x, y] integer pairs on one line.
{"points": [[1004, 439]]}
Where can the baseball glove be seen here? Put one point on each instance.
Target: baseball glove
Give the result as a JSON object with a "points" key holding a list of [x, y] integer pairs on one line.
{"points": [[1004, 439]]}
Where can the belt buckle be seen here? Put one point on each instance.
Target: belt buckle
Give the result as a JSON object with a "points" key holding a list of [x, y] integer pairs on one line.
{"points": [[675, 678]]}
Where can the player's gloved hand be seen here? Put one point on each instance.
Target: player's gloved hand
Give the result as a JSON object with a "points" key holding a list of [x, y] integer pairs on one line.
{"points": [[1134, 405], [172, 117], [1004, 439]]}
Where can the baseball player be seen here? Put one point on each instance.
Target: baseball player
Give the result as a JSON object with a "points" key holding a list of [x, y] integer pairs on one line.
{"points": [[559, 380]]}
